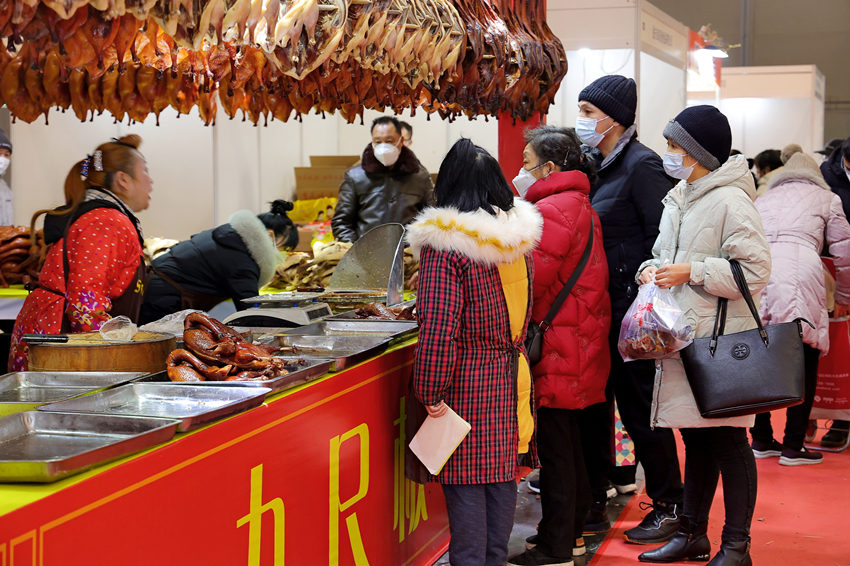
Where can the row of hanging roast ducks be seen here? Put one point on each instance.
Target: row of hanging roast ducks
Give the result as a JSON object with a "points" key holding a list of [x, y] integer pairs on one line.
{"points": [[273, 58]]}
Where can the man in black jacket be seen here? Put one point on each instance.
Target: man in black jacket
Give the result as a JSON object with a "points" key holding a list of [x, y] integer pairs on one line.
{"points": [[627, 197], [836, 173], [388, 185]]}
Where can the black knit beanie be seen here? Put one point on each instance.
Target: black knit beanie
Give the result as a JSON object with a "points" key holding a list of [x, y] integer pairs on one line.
{"points": [[4, 141], [615, 95], [704, 132]]}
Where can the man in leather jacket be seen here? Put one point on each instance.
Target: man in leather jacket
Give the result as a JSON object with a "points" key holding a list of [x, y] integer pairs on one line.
{"points": [[388, 185]]}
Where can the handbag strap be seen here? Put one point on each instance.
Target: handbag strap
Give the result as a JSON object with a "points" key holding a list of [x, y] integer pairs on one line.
{"points": [[568, 286], [744, 289]]}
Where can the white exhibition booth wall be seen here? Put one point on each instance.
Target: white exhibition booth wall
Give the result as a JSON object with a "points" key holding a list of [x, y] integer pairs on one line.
{"points": [[771, 107], [203, 174], [632, 38]]}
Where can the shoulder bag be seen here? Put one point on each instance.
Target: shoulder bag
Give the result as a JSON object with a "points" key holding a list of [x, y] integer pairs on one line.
{"points": [[748, 372], [534, 334]]}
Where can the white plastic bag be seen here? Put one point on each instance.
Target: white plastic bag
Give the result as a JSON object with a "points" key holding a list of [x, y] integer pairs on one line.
{"points": [[654, 326], [118, 329], [170, 323]]}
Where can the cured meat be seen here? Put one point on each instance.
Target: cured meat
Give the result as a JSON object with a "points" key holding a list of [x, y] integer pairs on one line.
{"points": [[275, 57]]}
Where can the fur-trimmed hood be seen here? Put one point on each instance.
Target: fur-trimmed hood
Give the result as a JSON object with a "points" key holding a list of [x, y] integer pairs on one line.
{"points": [[799, 168], [256, 238], [478, 235]]}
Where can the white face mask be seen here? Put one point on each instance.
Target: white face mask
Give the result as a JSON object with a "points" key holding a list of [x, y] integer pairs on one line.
{"points": [[674, 167], [386, 153], [586, 131], [846, 171], [4, 164], [525, 179]]}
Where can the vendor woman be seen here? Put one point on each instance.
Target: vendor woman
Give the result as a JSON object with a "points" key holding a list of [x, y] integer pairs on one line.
{"points": [[94, 268], [231, 261]]}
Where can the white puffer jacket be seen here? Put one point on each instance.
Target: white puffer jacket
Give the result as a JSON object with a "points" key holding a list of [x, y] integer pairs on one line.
{"points": [[707, 223]]}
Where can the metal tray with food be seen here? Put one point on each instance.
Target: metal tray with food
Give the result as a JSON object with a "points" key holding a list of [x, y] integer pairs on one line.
{"points": [[26, 390], [38, 446], [345, 351], [193, 406], [394, 331], [301, 370], [376, 312]]}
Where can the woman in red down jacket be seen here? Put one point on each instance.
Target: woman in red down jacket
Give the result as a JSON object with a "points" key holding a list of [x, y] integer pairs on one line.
{"points": [[573, 369]]}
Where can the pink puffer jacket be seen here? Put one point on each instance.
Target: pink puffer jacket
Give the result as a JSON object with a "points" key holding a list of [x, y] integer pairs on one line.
{"points": [[800, 214]]}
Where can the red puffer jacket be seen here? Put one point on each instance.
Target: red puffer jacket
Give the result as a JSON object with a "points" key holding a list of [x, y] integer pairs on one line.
{"points": [[575, 360]]}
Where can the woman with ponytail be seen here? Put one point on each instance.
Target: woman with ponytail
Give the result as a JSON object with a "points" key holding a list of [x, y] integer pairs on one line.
{"points": [[574, 362], [231, 261], [94, 268]]}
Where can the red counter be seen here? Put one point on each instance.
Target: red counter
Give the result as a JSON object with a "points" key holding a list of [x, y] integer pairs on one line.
{"points": [[314, 476]]}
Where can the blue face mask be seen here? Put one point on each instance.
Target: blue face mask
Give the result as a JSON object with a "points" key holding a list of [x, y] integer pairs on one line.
{"points": [[673, 166], [586, 130]]}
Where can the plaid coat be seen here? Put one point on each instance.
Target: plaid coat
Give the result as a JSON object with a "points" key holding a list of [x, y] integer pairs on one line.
{"points": [[465, 355]]}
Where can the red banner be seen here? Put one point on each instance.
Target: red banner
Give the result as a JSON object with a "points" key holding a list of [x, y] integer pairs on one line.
{"points": [[315, 477]]}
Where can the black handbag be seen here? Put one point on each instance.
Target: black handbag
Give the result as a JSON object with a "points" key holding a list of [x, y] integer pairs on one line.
{"points": [[748, 372], [535, 331]]}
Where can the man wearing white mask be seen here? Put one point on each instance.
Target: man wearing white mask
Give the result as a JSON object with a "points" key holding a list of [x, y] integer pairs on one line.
{"points": [[6, 210], [627, 197], [388, 185]]}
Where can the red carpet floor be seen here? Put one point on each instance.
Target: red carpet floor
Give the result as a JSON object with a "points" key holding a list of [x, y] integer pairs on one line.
{"points": [[802, 515]]}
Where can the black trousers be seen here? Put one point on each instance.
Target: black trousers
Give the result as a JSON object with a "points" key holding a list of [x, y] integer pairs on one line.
{"points": [[480, 521], [711, 453], [564, 489], [796, 417], [631, 383]]}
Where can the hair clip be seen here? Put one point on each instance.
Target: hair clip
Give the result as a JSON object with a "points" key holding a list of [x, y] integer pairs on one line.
{"points": [[85, 169], [125, 144], [98, 160]]}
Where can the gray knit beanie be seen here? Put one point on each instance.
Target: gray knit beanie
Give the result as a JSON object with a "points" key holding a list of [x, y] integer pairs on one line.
{"points": [[704, 132], [4, 141]]}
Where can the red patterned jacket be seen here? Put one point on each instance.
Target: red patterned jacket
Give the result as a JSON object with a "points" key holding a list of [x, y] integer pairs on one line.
{"points": [[103, 255], [575, 361], [465, 351]]}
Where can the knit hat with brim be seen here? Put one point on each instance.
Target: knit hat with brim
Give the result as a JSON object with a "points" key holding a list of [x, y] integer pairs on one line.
{"points": [[615, 95], [704, 132], [4, 141]]}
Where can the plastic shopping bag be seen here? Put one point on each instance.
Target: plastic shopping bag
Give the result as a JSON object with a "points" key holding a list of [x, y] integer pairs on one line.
{"points": [[654, 326]]}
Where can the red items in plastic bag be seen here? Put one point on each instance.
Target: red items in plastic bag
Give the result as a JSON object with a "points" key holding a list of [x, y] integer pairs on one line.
{"points": [[654, 326]]}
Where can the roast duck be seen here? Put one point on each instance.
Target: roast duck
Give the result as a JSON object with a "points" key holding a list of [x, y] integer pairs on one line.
{"points": [[216, 352], [21, 254], [272, 59]]}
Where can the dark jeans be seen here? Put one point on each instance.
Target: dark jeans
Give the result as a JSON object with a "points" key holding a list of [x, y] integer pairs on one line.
{"points": [[631, 383], [481, 517], [564, 489], [713, 452], [796, 417]]}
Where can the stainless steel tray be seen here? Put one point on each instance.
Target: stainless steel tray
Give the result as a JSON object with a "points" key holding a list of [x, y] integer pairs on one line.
{"points": [[394, 331], [26, 390], [350, 315], [303, 371], [44, 447], [345, 351], [193, 406]]}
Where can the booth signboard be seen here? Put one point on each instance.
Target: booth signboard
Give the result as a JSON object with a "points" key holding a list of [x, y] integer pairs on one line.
{"points": [[312, 477]]}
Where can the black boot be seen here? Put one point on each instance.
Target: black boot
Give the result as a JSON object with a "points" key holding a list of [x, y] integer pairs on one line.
{"points": [[733, 553], [689, 543]]}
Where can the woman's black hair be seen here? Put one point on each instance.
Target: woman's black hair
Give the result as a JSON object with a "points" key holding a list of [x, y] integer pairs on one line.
{"points": [[768, 160], [278, 222], [562, 147], [845, 149], [470, 178]]}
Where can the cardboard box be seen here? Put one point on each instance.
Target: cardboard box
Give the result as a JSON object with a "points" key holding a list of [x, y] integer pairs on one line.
{"points": [[305, 237], [333, 160], [318, 182]]}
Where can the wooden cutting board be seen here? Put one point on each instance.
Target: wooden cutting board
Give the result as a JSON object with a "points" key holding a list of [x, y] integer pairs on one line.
{"points": [[89, 352]]}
